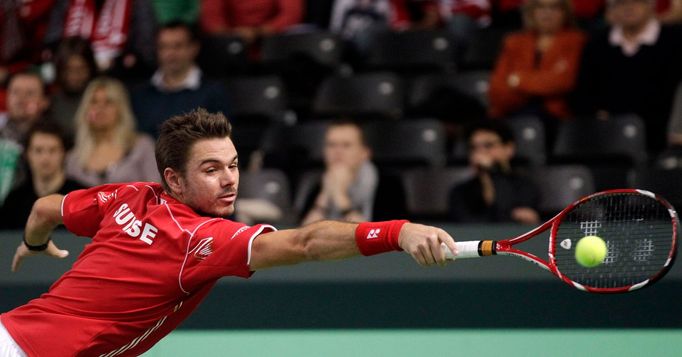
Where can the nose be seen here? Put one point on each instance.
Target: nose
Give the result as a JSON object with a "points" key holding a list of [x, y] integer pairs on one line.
{"points": [[229, 178]]}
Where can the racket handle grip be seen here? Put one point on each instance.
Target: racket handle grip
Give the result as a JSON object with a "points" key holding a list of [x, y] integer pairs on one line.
{"points": [[470, 249]]}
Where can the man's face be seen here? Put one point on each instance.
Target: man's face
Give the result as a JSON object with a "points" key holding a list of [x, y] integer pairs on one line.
{"points": [[175, 50], [76, 74], [45, 154], [631, 13], [26, 101], [486, 148], [211, 177], [548, 16], [343, 145]]}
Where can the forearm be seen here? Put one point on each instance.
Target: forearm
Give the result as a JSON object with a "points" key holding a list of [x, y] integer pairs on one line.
{"points": [[44, 218], [329, 240]]}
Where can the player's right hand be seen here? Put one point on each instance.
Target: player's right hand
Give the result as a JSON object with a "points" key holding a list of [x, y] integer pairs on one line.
{"points": [[23, 252], [423, 243]]}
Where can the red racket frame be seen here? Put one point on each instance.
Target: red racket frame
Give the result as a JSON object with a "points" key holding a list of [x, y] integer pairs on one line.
{"points": [[505, 247]]}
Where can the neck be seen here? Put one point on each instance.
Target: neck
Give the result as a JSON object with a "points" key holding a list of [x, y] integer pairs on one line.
{"points": [[175, 79], [103, 136], [22, 124], [631, 32], [48, 185]]}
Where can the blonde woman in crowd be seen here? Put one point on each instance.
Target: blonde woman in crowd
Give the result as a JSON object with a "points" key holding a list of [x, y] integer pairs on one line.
{"points": [[107, 147]]}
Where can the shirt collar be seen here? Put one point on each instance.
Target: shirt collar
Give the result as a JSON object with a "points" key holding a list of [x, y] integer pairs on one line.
{"points": [[648, 36], [192, 81]]}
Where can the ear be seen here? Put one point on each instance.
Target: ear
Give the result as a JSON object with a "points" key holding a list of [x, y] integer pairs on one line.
{"points": [[174, 180], [510, 148], [366, 153], [195, 47], [45, 102]]}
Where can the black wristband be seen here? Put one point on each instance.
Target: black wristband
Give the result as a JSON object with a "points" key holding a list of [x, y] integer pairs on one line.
{"points": [[37, 248]]}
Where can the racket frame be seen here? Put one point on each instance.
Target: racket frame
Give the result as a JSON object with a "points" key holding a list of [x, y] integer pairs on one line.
{"points": [[506, 246]]}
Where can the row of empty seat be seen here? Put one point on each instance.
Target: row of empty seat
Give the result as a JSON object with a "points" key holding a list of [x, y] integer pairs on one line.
{"points": [[405, 51], [427, 189], [367, 95]]}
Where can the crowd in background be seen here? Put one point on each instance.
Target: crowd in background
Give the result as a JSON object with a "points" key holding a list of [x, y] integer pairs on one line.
{"points": [[87, 82]]}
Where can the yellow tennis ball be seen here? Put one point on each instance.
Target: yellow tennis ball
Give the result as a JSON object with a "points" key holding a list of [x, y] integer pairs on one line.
{"points": [[590, 251]]}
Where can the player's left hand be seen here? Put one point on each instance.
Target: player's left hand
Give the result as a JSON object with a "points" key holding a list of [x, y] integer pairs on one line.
{"points": [[23, 252], [423, 243]]}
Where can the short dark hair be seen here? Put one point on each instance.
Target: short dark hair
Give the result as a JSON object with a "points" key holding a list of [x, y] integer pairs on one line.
{"points": [[74, 46], [498, 127], [349, 122], [32, 72], [179, 133], [191, 29], [50, 127]]}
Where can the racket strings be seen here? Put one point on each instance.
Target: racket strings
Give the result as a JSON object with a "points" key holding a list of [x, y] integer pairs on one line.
{"points": [[638, 233]]}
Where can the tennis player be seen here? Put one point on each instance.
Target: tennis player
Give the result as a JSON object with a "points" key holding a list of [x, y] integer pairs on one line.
{"points": [[157, 250]]}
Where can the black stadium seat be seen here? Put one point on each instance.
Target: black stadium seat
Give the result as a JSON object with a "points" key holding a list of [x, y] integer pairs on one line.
{"points": [[663, 182], [324, 48], [268, 184], [529, 135], [412, 51], [295, 147], [561, 185], [427, 190], [257, 98], [223, 55], [367, 95], [609, 147], [407, 143]]}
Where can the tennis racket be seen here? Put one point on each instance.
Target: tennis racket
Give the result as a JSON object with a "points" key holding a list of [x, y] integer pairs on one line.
{"points": [[639, 228]]}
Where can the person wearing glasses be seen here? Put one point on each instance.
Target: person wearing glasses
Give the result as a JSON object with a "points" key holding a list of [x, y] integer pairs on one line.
{"points": [[497, 192]]}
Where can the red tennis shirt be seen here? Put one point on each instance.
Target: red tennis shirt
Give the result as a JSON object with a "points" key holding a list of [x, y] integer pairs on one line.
{"points": [[151, 261]]}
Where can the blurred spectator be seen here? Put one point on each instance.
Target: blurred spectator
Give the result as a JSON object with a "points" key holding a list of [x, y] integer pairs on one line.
{"points": [[118, 30], [167, 11], [178, 86], [672, 14], [45, 152], [497, 193], [463, 18], [633, 67], [351, 187], [508, 14], [538, 67], [358, 20], [22, 29], [675, 125], [107, 148], [250, 20], [75, 68], [27, 103]]}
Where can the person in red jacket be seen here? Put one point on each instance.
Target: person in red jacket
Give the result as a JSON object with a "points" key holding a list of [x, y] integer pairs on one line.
{"points": [[537, 67], [250, 20]]}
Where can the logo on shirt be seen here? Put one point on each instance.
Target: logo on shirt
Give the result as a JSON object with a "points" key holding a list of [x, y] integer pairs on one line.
{"points": [[203, 249], [239, 231], [106, 196], [373, 233]]}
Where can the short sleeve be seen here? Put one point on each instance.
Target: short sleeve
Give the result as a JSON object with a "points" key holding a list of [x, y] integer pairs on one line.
{"points": [[223, 249], [83, 210]]}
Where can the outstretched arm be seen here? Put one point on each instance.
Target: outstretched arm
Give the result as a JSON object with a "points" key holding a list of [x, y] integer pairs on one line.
{"points": [[44, 218], [331, 240]]}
